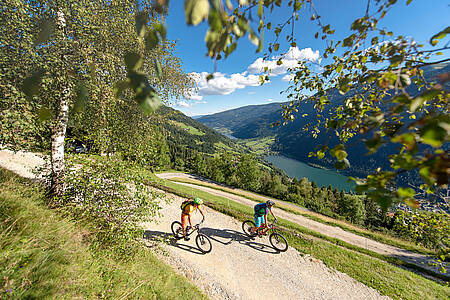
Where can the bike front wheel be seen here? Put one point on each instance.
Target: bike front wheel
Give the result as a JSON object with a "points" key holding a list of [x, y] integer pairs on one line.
{"points": [[203, 243], [278, 241], [247, 226], [177, 229]]}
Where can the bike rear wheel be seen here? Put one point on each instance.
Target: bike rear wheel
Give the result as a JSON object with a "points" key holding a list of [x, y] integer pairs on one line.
{"points": [[177, 230], [246, 226], [278, 241], [203, 243]]}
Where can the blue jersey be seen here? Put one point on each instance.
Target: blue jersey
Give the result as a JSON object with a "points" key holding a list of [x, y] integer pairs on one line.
{"points": [[261, 209]]}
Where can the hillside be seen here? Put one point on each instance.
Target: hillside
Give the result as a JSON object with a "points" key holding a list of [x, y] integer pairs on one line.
{"points": [[180, 129], [254, 122]]}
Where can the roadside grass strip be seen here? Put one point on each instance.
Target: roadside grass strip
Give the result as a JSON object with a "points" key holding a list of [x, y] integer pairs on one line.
{"points": [[44, 255], [389, 240], [372, 269]]}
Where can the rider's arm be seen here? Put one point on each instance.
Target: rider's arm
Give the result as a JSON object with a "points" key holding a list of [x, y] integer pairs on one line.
{"points": [[272, 214], [203, 215]]}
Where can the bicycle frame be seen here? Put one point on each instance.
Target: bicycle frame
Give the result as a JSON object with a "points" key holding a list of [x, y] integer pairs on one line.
{"points": [[263, 230], [191, 230]]}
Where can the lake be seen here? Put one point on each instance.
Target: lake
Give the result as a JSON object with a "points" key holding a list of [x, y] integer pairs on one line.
{"points": [[322, 177]]}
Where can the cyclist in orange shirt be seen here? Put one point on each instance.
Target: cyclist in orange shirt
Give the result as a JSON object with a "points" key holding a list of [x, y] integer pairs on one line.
{"points": [[187, 208]]}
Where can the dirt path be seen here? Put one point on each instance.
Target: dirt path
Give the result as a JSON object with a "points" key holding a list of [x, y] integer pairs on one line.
{"points": [[241, 268], [21, 163], [331, 231]]}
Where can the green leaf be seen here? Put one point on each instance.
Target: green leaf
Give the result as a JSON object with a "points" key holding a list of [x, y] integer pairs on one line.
{"points": [[416, 104], [31, 84], [121, 86], [145, 94], [384, 200], [158, 68], [133, 61], [373, 144], [340, 165], [253, 38], [260, 8], [406, 192], [141, 20], [341, 154], [438, 36], [196, 11], [433, 134], [151, 40], [413, 203], [161, 30], [46, 28], [80, 99], [260, 42], [44, 114], [361, 188]]}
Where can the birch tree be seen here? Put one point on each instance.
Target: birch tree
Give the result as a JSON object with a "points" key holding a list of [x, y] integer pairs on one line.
{"points": [[57, 56]]}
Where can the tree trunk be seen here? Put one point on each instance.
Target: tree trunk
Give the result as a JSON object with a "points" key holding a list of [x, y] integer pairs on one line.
{"points": [[58, 137], [60, 126]]}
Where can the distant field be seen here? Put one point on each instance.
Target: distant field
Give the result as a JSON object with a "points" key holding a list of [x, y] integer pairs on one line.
{"points": [[189, 129], [260, 145]]}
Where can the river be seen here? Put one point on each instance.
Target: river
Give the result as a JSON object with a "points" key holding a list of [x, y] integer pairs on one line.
{"points": [[322, 177]]}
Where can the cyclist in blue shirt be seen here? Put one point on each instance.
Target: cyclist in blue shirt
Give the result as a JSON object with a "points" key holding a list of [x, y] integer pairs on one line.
{"points": [[261, 211]]}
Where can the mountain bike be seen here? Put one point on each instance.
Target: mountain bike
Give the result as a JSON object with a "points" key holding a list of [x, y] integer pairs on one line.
{"points": [[277, 241], [202, 241]]}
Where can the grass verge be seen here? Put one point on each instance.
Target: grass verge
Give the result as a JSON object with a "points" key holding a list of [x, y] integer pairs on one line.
{"points": [[375, 270], [45, 255], [322, 219]]}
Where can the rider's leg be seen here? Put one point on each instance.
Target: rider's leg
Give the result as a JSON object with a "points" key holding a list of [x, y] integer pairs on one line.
{"points": [[258, 221], [183, 224]]}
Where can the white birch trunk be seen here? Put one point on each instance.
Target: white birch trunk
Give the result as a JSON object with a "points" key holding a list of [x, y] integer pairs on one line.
{"points": [[59, 129]]}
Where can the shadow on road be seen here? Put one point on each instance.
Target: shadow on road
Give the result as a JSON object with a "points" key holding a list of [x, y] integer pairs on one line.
{"points": [[227, 236], [169, 239], [222, 236]]}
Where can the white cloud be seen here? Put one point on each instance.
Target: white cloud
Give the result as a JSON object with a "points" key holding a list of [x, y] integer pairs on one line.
{"points": [[221, 84], [288, 77], [251, 93], [270, 100], [290, 59], [194, 96], [183, 104]]}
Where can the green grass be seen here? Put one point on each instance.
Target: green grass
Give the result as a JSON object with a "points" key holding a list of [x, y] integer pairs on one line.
{"points": [[260, 145], [45, 255], [222, 146], [383, 238], [190, 129], [361, 264]]}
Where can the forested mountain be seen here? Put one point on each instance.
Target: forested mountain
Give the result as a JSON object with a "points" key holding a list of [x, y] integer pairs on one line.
{"points": [[182, 130], [291, 140]]}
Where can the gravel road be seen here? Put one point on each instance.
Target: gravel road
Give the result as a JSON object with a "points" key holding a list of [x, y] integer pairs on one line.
{"points": [[242, 268]]}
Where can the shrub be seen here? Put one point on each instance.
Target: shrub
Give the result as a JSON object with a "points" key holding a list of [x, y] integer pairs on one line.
{"points": [[432, 230], [111, 195]]}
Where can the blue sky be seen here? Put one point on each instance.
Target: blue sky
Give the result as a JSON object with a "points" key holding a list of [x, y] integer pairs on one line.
{"points": [[236, 82]]}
